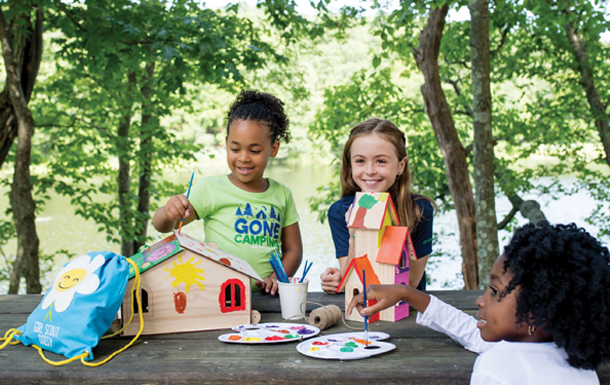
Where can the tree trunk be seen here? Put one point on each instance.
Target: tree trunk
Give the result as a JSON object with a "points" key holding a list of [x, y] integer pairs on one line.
{"points": [[124, 182], [22, 203], [456, 166], [602, 118], [28, 56], [485, 206], [149, 124]]}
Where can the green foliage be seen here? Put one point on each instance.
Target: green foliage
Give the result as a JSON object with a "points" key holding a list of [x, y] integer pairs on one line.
{"points": [[129, 65], [539, 104]]}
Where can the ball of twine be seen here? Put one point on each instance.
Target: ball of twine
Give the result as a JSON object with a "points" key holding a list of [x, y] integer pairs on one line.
{"points": [[325, 316]]}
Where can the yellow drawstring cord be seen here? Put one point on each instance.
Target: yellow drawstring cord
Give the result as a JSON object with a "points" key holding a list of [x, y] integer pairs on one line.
{"points": [[8, 336], [136, 286]]}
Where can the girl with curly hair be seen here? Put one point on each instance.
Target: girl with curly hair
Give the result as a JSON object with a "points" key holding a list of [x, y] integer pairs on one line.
{"points": [[244, 213], [544, 319]]}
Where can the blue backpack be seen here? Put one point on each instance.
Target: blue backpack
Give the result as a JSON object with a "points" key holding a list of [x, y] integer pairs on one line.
{"points": [[78, 308]]}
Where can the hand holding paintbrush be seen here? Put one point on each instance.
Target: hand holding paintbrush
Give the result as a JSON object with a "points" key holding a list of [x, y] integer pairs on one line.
{"points": [[177, 207]]}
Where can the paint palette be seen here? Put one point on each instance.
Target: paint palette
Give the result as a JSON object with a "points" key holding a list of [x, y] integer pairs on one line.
{"points": [[345, 346], [269, 333]]}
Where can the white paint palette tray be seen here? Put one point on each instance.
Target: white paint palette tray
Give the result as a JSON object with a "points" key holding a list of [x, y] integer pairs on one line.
{"points": [[345, 346], [269, 333]]}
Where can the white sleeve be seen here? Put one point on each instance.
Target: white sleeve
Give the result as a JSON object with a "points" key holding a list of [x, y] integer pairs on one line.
{"points": [[458, 325]]}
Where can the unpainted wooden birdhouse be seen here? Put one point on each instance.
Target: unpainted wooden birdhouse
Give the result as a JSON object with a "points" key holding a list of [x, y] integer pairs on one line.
{"points": [[188, 285]]}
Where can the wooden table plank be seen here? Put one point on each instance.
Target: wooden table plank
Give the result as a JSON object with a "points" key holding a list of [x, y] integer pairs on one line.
{"points": [[422, 356]]}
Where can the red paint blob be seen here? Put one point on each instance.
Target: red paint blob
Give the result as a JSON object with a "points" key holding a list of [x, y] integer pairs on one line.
{"points": [[225, 261], [275, 338]]}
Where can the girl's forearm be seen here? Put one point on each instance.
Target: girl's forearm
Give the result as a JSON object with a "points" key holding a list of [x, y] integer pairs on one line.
{"points": [[418, 300]]}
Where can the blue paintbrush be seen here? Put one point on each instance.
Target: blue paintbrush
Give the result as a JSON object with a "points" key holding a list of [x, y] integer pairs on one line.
{"points": [[366, 318], [305, 271], [187, 197]]}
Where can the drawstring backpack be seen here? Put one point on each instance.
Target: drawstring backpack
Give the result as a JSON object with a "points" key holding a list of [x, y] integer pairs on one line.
{"points": [[79, 308]]}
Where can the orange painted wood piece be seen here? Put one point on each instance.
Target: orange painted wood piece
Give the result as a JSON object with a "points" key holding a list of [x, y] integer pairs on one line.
{"points": [[359, 264], [393, 244]]}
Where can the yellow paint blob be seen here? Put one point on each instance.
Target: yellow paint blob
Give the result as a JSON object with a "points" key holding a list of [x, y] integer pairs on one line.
{"points": [[314, 349], [186, 273], [251, 339], [70, 279]]}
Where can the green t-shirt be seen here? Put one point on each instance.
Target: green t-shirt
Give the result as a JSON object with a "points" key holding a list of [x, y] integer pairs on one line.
{"points": [[245, 224]]}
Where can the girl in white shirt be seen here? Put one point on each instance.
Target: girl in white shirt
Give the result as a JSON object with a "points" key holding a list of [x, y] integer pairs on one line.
{"points": [[545, 318]]}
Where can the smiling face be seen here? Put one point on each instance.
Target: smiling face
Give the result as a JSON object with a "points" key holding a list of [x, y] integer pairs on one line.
{"points": [[497, 310], [374, 163], [249, 148], [70, 279]]}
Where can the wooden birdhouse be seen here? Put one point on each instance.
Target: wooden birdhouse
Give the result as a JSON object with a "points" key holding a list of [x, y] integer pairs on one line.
{"points": [[188, 285], [382, 248]]}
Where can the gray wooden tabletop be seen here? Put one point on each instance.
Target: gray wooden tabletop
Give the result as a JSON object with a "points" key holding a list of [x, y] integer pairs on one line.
{"points": [[422, 356]]}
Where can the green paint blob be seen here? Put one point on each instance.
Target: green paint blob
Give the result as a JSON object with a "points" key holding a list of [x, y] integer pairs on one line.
{"points": [[290, 336], [347, 350], [351, 345], [367, 201]]}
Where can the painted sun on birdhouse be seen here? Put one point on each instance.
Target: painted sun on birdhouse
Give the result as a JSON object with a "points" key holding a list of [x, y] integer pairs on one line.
{"points": [[188, 285], [381, 247]]}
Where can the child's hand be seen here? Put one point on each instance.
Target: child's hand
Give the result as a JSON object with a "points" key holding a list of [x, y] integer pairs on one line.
{"points": [[330, 280], [268, 285], [386, 296], [177, 207]]}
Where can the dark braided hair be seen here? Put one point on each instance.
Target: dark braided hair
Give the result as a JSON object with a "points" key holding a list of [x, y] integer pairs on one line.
{"points": [[564, 278], [261, 107]]}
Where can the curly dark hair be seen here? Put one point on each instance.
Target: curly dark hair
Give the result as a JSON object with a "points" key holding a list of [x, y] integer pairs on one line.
{"points": [[261, 107], [563, 275]]}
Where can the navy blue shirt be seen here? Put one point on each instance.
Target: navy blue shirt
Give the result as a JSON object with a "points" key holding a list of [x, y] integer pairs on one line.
{"points": [[421, 236]]}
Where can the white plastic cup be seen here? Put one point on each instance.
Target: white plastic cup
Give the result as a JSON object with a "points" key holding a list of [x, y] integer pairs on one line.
{"points": [[293, 296]]}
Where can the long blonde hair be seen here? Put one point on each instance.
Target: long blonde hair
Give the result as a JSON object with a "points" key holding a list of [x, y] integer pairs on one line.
{"points": [[408, 211]]}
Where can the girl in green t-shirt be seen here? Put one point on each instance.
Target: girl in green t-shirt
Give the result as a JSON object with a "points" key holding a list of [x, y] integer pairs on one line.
{"points": [[256, 123]]}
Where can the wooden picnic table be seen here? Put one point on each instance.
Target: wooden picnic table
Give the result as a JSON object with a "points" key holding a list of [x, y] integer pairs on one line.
{"points": [[422, 356]]}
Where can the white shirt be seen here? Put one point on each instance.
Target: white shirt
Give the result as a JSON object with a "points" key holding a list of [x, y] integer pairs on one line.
{"points": [[504, 363]]}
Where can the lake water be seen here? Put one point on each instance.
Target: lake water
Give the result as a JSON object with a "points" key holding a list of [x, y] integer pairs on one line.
{"points": [[59, 228]]}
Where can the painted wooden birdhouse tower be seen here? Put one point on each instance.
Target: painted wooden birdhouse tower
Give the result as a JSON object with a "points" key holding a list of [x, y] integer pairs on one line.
{"points": [[382, 248], [188, 285]]}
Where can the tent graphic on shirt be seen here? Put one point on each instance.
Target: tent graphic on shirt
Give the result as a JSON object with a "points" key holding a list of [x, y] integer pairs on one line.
{"points": [[261, 214]]}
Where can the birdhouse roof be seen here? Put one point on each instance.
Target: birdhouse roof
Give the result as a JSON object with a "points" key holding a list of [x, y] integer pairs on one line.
{"points": [[372, 211], [359, 264], [396, 239], [177, 242]]}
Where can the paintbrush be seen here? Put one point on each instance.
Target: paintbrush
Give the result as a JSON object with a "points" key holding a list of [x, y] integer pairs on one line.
{"points": [[366, 318], [187, 197]]}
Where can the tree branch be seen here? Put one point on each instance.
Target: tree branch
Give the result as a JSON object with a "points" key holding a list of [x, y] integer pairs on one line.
{"points": [[509, 217], [67, 12], [458, 91], [495, 52]]}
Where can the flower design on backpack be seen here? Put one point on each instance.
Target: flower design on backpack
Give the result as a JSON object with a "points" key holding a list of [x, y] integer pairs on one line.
{"points": [[76, 277]]}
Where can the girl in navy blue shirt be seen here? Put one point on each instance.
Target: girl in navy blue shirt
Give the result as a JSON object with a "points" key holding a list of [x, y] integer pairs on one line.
{"points": [[375, 160]]}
